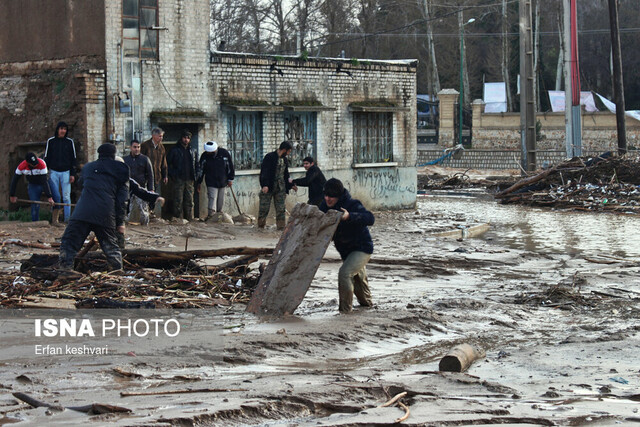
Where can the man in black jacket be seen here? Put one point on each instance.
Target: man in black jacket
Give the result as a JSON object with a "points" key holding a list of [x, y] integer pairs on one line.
{"points": [[353, 241], [314, 179], [216, 168], [100, 209], [60, 157], [141, 171], [183, 171], [275, 183]]}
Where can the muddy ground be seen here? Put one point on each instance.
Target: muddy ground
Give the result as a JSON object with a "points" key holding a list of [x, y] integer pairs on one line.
{"points": [[551, 297]]}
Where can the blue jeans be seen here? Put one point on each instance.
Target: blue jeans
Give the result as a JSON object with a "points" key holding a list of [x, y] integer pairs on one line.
{"points": [[59, 180], [35, 191]]}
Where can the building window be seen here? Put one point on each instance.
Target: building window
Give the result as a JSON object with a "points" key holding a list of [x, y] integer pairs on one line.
{"points": [[372, 137], [244, 139], [139, 40], [300, 129]]}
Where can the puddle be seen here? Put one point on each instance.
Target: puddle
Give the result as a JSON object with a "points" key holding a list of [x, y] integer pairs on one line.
{"points": [[541, 230]]}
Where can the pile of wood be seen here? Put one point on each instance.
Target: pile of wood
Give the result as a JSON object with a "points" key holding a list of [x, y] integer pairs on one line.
{"points": [[605, 183], [151, 279]]}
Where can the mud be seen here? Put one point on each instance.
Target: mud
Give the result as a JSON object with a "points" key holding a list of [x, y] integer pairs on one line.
{"points": [[551, 297]]}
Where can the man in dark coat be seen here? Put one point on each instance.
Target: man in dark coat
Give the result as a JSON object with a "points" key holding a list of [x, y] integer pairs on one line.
{"points": [[183, 171], [60, 157], [141, 171], [35, 169], [216, 169], [314, 179], [353, 241], [275, 183], [100, 209]]}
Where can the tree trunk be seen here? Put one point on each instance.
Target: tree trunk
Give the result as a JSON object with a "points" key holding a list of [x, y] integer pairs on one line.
{"points": [[536, 55], [560, 67], [505, 55], [433, 77], [465, 74]]}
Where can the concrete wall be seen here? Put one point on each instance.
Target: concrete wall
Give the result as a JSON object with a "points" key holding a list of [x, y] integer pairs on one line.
{"points": [[32, 30]]}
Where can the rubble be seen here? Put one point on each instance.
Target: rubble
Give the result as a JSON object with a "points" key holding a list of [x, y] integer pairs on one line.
{"points": [[605, 183]]}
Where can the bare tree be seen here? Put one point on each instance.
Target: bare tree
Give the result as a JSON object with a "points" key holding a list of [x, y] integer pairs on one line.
{"points": [[433, 79], [505, 54], [279, 23]]}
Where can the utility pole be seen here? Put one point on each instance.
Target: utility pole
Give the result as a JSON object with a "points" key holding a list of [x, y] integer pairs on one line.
{"points": [[618, 83], [527, 94], [573, 110]]}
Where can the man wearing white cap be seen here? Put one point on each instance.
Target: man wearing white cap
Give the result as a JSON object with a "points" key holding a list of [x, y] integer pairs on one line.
{"points": [[217, 170]]}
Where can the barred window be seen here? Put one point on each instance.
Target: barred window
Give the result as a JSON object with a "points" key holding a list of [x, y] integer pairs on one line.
{"points": [[138, 39], [244, 139], [300, 129], [372, 137]]}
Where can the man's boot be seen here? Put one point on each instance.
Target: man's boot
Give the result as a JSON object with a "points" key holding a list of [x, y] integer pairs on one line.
{"points": [[262, 222], [55, 218], [209, 214], [280, 223]]}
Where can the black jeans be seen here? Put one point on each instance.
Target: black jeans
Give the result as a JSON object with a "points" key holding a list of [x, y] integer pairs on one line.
{"points": [[74, 236]]}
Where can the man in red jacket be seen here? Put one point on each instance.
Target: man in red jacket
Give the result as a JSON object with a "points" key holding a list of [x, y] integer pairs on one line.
{"points": [[35, 169]]}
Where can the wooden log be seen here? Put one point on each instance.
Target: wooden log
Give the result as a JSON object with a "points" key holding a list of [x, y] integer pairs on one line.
{"points": [[526, 182], [460, 357], [38, 202]]}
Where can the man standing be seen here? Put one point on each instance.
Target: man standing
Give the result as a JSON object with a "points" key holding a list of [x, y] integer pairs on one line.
{"points": [[35, 170], [353, 242], [100, 209], [60, 157], [141, 171], [216, 168], [314, 179], [155, 151], [183, 170], [275, 183]]}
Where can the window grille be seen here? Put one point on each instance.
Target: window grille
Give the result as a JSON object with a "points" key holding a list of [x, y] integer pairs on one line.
{"points": [[244, 139], [301, 130], [372, 137]]}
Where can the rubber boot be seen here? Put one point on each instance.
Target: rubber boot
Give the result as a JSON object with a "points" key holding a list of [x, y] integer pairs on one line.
{"points": [[280, 223], [262, 222], [55, 218]]}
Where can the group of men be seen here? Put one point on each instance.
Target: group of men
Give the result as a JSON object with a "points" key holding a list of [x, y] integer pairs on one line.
{"points": [[110, 181]]}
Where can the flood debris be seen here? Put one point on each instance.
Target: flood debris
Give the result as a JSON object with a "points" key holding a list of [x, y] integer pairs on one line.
{"points": [[295, 261], [92, 409], [180, 283], [460, 358], [604, 183]]}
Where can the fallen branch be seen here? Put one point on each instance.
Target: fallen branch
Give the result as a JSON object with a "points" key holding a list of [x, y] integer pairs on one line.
{"points": [[406, 414], [92, 409], [197, 390], [393, 400], [19, 242], [526, 182]]}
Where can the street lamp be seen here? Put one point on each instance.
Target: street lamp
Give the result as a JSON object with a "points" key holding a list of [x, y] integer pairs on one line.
{"points": [[461, 102]]}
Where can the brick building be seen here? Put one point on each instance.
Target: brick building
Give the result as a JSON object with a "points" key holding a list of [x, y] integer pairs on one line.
{"points": [[115, 69]]}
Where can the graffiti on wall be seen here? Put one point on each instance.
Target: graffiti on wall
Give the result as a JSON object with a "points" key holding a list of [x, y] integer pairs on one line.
{"points": [[336, 148], [383, 183]]}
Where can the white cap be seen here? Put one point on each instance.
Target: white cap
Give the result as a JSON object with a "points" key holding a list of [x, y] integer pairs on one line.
{"points": [[210, 146]]}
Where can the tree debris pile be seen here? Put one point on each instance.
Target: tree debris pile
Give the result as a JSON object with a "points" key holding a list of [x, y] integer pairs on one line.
{"points": [[187, 285], [591, 184]]}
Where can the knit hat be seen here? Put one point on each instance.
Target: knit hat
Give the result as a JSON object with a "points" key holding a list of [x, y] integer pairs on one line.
{"points": [[31, 158], [108, 150], [186, 132], [333, 188], [210, 146]]}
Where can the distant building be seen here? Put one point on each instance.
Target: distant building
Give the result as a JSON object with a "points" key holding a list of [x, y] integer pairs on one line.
{"points": [[115, 69]]}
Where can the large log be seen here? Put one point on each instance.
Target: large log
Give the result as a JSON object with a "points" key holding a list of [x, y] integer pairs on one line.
{"points": [[295, 260], [150, 258], [460, 358]]}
